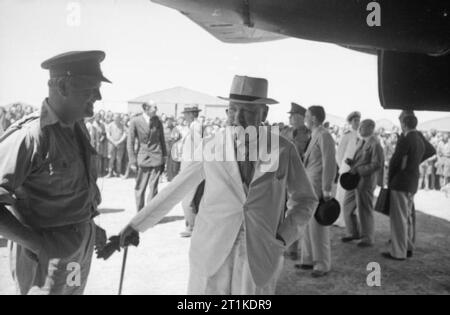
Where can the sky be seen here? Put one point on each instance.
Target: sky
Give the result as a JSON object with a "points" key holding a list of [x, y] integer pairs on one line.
{"points": [[150, 47]]}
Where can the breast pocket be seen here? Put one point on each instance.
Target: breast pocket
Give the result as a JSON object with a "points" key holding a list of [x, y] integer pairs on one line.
{"points": [[61, 175]]}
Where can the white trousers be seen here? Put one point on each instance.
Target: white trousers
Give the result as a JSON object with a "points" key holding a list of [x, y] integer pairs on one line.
{"points": [[316, 247], [233, 277]]}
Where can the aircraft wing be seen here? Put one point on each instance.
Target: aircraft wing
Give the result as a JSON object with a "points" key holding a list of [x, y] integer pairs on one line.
{"points": [[412, 42], [226, 24], [234, 33]]}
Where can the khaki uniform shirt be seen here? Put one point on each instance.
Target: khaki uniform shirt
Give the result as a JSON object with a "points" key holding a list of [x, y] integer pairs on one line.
{"points": [[47, 171]]}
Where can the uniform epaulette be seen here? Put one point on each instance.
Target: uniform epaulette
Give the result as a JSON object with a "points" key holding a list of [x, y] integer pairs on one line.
{"points": [[19, 124]]}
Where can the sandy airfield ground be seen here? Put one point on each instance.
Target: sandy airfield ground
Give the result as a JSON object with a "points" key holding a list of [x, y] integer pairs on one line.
{"points": [[160, 264]]}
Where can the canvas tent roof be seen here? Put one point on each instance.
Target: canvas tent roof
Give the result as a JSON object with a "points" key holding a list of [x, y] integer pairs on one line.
{"points": [[441, 124], [386, 124], [336, 120], [179, 95]]}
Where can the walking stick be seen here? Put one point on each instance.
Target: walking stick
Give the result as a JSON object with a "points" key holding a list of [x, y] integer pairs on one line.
{"points": [[113, 246], [122, 274]]}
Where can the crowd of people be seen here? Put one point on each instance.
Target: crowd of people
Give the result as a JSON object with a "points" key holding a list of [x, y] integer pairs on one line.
{"points": [[109, 136], [243, 214]]}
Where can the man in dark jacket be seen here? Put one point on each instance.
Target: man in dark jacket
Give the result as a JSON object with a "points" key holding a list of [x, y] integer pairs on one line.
{"points": [[412, 149], [151, 153]]}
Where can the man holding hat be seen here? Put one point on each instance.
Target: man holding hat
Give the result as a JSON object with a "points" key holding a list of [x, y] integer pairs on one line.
{"points": [[150, 158], [190, 143], [241, 230], [48, 181], [320, 165], [346, 150], [368, 164]]}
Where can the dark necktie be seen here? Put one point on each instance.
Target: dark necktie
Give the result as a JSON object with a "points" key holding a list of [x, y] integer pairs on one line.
{"points": [[246, 168]]}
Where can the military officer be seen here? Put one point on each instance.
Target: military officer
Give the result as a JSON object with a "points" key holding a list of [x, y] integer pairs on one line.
{"points": [[300, 136], [298, 133], [48, 181]]}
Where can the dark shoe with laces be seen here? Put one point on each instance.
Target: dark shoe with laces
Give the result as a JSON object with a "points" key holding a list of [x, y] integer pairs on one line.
{"points": [[389, 256], [304, 267], [348, 239]]}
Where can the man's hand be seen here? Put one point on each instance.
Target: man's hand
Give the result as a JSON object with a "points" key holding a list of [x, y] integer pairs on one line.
{"points": [[133, 167], [128, 236], [327, 195], [350, 162]]}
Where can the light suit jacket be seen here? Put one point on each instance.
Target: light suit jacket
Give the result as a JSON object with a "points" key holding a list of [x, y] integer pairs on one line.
{"points": [[369, 163], [226, 208], [346, 150], [320, 161]]}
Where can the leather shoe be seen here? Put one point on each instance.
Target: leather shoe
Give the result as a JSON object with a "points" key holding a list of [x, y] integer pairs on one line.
{"points": [[304, 267], [318, 274], [389, 256]]}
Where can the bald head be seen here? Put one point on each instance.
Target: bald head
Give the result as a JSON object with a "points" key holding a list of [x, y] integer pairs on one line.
{"points": [[367, 128]]}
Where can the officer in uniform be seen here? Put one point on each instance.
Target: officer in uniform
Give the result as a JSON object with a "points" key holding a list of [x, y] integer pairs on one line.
{"points": [[300, 136], [48, 181], [297, 133]]}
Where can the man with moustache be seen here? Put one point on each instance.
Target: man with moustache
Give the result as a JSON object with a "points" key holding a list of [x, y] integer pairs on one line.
{"points": [[241, 230], [48, 181]]}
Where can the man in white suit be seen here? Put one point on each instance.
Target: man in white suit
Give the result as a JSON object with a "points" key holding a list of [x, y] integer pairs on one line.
{"points": [[320, 165], [346, 150], [242, 229]]}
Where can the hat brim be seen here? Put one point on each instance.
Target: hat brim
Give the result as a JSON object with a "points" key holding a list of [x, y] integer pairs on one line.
{"points": [[262, 101], [328, 212], [349, 181]]}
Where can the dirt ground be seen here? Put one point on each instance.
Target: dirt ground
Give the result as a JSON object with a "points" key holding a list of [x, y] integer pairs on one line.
{"points": [[160, 264]]}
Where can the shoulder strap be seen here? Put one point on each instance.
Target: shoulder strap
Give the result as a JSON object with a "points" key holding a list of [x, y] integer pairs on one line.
{"points": [[19, 124]]}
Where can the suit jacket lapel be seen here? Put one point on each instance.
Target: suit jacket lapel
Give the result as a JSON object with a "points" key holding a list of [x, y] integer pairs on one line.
{"points": [[231, 167], [314, 139]]}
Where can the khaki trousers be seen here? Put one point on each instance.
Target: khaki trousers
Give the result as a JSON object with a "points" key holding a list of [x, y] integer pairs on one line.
{"points": [[64, 271], [402, 226], [360, 201]]}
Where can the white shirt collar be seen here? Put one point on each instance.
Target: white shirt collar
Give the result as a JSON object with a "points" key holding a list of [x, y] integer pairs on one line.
{"points": [[146, 117]]}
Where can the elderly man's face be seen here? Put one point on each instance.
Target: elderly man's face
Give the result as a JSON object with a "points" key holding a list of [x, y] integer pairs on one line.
{"points": [[366, 129], [248, 114], [81, 95]]}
